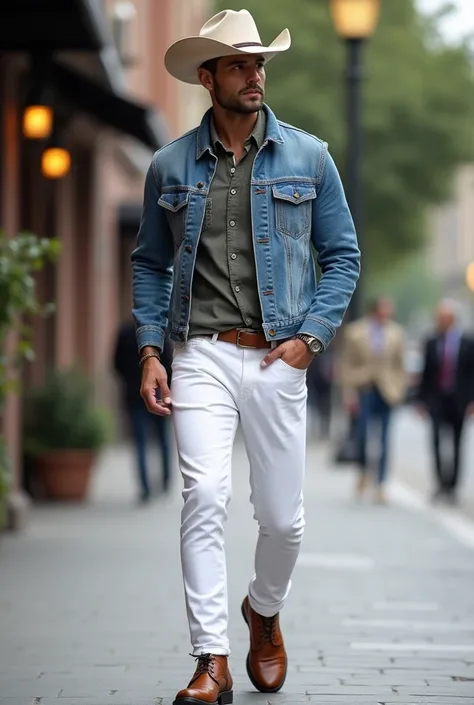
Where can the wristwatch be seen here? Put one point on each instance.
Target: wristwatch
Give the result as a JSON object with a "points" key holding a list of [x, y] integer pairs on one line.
{"points": [[315, 346]]}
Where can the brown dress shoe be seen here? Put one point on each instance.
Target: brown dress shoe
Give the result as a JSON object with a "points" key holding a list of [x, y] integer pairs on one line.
{"points": [[266, 661], [211, 683]]}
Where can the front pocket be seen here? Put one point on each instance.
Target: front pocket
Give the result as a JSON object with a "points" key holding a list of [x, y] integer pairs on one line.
{"points": [[293, 369], [175, 204], [293, 205]]}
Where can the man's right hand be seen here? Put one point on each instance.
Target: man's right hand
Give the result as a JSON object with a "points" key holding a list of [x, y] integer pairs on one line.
{"points": [[421, 410], [155, 384]]}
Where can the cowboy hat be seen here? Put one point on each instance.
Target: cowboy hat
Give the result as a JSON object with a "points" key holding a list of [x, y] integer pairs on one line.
{"points": [[227, 33]]}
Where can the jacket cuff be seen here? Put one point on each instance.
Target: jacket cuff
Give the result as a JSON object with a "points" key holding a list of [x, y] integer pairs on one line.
{"points": [[319, 329], [150, 335]]}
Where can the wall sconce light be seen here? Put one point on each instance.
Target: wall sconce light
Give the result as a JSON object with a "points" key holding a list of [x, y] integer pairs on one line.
{"points": [[37, 121], [55, 162]]}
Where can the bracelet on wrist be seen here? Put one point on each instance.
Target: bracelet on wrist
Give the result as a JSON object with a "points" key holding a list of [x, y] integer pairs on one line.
{"points": [[148, 356]]}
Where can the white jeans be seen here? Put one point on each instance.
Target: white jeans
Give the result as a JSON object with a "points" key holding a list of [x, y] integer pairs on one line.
{"points": [[214, 385]]}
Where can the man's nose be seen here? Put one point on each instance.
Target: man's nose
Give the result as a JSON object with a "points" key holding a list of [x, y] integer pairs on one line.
{"points": [[253, 76]]}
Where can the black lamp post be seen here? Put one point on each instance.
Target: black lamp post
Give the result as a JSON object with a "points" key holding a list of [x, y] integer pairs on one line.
{"points": [[355, 22]]}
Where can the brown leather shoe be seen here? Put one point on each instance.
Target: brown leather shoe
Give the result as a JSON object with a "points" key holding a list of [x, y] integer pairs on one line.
{"points": [[211, 683], [266, 661]]}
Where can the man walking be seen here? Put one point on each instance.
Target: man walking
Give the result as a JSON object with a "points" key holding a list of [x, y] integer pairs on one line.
{"points": [[126, 365], [374, 381], [447, 393], [231, 212]]}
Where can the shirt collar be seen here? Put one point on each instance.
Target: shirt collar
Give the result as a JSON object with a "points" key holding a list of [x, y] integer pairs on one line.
{"points": [[272, 130], [258, 133]]}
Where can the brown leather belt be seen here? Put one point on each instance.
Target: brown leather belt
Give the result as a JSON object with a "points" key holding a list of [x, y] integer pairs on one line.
{"points": [[245, 338]]}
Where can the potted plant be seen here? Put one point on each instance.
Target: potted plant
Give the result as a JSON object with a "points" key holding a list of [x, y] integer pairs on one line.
{"points": [[21, 258], [64, 430]]}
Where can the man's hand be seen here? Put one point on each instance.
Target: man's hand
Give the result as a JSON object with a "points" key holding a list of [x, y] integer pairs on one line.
{"points": [[351, 402], [421, 410], [470, 409], [155, 383], [294, 352]]}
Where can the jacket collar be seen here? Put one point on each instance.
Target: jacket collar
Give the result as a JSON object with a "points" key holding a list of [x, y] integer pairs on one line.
{"points": [[204, 140]]}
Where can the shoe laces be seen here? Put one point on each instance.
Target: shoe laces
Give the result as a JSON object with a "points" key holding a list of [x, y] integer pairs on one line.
{"points": [[205, 664], [268, 627]]}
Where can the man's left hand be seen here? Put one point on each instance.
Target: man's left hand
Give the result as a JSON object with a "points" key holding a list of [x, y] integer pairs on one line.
{"points": [[294, 352]]}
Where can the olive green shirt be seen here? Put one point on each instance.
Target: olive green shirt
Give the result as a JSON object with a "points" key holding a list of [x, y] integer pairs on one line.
{"points": [[224, 292]]}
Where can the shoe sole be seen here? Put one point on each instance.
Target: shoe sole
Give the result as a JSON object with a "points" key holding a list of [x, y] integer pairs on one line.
{"points": [[225, 698], [255, 684]]}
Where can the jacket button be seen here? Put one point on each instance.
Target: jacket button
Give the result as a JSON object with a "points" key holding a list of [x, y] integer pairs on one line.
{"points": [[200, 184], [175, 202], [186, 298], [272, 332], [188, 248], [296, 194]]}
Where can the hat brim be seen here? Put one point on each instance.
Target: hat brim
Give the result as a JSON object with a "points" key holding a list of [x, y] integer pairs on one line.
{"points": [[185, 56]]}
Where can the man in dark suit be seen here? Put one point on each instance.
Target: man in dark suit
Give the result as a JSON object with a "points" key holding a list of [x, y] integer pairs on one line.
{"points": [[126, 365], [447, 393]]}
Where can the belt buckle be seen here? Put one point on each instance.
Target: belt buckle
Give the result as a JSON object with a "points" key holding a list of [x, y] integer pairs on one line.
{"points": [[241, 345]]}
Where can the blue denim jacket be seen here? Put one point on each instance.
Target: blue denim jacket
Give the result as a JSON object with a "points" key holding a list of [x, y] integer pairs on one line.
{"points": [[297, 203]]}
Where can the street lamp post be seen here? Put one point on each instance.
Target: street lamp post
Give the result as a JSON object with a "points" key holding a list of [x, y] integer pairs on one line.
{"points": [[355, 21]]}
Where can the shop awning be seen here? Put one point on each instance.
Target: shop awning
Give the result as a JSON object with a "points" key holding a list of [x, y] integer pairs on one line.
{"points": [[111, 108], [44, 27], [52, 25]]}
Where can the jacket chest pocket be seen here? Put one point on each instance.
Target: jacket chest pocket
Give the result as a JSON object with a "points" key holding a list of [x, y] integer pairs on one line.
{"points": [[176, 205], [293, 209]]}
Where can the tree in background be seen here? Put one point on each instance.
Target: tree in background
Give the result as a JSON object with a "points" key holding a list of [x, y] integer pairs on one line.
{"points": [[418, 110], [413, 288]]}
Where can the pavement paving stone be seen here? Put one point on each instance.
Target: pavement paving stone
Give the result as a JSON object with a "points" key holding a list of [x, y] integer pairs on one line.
{"points": [[92, 610]]}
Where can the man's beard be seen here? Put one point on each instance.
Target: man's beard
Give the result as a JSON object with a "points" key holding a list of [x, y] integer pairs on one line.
{"points": [[233, 105]]}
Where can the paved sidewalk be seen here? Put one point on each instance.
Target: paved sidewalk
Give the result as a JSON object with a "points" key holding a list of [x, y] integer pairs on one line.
{"points": [[91, 601]]}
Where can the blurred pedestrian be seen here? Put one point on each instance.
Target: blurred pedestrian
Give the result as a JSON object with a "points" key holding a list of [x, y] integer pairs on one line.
{"points": [[374, 380], [232, 212], [142, 422], [446, 393]]}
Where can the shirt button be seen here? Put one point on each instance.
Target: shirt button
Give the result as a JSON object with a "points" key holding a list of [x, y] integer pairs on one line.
{"points": [[232, 223], [232, 171], [237, 288], [248, 321], [233, 191], [233, 256]]}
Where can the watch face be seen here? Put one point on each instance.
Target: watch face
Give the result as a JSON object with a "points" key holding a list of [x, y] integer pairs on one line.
{"points": [[315, 346]]}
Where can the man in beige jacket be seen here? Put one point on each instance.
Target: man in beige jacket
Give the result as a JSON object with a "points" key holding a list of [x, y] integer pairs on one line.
{"points": [[374, 381]]}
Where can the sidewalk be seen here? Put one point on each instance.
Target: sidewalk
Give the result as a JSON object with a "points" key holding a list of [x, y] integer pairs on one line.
{"points": [[92, 612]]}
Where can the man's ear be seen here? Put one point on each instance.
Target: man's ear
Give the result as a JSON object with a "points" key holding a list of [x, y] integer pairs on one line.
{"points": [[206, 79]]}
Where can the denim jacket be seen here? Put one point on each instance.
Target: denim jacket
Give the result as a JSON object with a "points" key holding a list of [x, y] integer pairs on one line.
{"points": [[297, 204]]}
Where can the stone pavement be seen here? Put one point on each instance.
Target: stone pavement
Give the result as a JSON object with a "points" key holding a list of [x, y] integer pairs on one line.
{"points": [[91, 600]]}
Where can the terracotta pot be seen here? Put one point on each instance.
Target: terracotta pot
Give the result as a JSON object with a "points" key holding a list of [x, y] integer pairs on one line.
{"points": [[66, 473]]}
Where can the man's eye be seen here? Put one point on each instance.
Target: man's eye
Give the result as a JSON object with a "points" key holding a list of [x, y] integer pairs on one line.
{"points": [[261, 65], [238, 66]]}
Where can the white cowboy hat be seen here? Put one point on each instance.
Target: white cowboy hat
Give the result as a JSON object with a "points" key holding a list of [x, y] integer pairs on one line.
{"points": [[227, 33]]}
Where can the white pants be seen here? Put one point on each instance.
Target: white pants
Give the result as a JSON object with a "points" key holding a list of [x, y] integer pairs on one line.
{"points": [[214, 385]]}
